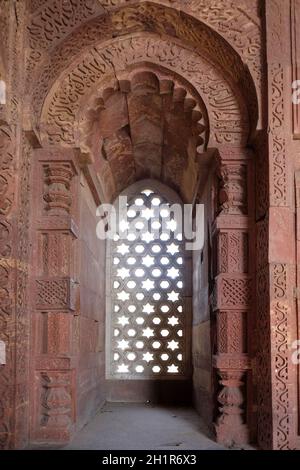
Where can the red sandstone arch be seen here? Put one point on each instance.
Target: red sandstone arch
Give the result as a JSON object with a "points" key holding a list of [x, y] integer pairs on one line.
{"points": [[155, 19], [169, 63], [39, 38], [49, 25]]}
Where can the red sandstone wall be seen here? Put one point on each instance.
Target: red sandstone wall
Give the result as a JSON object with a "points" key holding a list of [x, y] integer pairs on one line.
{"points": [[91, 321], [201, 336]]}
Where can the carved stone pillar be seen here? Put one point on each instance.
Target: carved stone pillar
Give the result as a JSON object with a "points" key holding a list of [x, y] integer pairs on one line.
{"points": [[233, 297], [55, 290], [231, 399], [276, 310], [14, 221]]}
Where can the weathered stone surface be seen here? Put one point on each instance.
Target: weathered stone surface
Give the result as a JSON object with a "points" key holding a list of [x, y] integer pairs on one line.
{"points": [[95, 95]]}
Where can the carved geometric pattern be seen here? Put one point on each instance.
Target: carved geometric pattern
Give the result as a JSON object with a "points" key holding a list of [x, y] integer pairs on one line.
{"points": [[234, 292], [147, 319], [53, 294]]}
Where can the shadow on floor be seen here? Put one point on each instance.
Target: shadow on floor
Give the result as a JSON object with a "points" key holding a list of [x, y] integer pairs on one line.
{"points": [[120, 426]]}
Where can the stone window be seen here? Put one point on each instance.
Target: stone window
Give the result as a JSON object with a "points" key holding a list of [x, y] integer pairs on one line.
{"points": [[146, 310]]}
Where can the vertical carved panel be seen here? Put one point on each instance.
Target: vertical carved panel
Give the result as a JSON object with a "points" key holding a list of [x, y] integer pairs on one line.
{"points": [[261, 175], [232, 332], [295, 40], [22, 297], [233, 251], [233, 299], [55, 251], [7, 191], [297, 195], [277, 143], [264, 379], [276, 318], [14, 246], [55, 293]]}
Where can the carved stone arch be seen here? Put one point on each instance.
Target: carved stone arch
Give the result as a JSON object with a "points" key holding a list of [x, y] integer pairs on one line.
{"points": [[81, 86], [238, 24], [225, 106], [169, 83], [148, 123], [149, 17]]}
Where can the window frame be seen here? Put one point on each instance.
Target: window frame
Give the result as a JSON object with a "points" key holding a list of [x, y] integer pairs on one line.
{"points": [[186, 298]]}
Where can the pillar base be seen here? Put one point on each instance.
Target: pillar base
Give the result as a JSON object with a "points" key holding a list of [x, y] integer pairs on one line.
{"points": [[232, 435]]}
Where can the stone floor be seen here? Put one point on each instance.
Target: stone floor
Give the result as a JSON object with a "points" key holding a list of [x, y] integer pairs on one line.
{"points": [[146, 427]]}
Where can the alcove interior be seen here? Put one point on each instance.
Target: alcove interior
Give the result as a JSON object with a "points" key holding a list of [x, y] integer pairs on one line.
{"points": [[95, 386]]}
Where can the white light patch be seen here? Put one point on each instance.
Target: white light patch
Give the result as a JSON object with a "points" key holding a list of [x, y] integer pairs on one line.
{"points": [[2, 353], [2, 92]]}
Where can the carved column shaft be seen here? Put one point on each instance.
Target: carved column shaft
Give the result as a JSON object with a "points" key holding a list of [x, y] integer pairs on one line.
{"points": [[55, 290], [233, 293], [276, 317]]}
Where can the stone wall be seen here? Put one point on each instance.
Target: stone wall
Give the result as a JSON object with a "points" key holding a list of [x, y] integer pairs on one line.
{"points": [[91, 321], [202, 321]]}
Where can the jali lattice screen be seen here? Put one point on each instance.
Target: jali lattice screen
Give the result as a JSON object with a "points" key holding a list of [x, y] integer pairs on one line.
{"points": [[147, 309]]}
